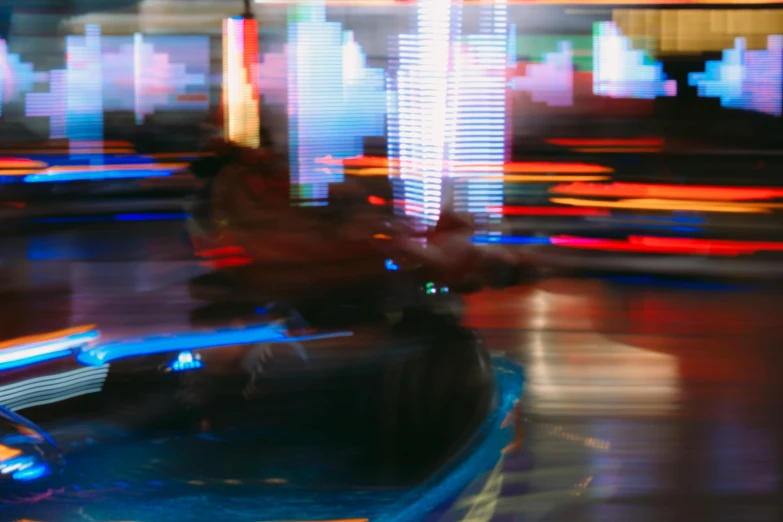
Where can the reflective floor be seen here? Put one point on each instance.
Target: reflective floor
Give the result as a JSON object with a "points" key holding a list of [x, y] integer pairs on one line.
{"points": [[645, 400]]}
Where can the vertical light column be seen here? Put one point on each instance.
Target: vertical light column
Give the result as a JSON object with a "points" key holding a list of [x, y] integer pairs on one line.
{"points": [[447, 135], [477, 148], [84, 87], [241, 101], [315, 92], [419, 122], [334, 100], [138, 77]]}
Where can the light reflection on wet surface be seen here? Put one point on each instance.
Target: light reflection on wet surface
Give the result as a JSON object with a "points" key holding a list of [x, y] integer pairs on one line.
{"points": [[643, 401]]}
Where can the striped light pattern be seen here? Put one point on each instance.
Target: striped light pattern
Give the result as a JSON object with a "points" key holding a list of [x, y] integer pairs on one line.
{"points": [[622, 72], [53, 388], [241, 101], [334, 99], [447, 111], [478, 146], [552, 81], [750, 80], [16, 77], [419, 126], [75, 101]]}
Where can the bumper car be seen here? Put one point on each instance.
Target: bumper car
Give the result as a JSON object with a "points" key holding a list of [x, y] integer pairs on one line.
{"points": [[352, 255], [187, 426]]}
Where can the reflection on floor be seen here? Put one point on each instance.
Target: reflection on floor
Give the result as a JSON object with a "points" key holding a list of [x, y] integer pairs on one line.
{"points": [[643, 401]]}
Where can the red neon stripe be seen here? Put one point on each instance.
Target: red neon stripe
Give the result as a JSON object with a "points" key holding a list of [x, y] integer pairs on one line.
{"points": [[610, 142], [229, 262], [227, 251], [550, 211]]}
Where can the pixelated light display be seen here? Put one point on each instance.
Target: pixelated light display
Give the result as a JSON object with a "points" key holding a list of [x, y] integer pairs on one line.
{"points": [[140, 73], [749, 80], [16, 77], [273, 76], [241, 99], [74, 103], [622, 72], [447, 111], [419, 126], [550, 82], [478, 146], [334, 99]]}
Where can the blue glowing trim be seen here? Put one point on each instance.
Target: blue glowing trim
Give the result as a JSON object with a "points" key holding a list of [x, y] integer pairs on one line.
{"points": [[511, 240], [32, 353], [27, 361], [391, 265], [16, 464], [32, 473], [150, 217], [186, 361], [480, 454], [103, 354], [95, 176], [103, 219]]}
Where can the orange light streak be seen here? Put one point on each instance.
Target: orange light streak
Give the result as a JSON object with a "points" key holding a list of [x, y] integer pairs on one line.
{"points": [[639, 190], [548, 211], [20, 163], [43, 338], [670, 204]]}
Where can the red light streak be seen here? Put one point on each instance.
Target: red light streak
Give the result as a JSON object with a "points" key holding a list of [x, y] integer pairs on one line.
{"points": [[670, 245], [610, 142], [549, 211], [524, 167]]}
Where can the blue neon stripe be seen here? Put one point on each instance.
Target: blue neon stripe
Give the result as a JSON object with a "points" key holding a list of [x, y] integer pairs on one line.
{"points": [[103, 219], [103, 354], [16, 357], [26, 361], [511, 240], [95, 176], [150, 217]]}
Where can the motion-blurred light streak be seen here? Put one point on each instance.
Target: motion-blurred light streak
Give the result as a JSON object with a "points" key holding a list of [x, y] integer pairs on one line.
{"points": [[671, 204], [641, 190]]}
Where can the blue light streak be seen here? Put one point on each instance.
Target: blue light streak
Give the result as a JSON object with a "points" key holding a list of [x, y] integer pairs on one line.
{"points": [[103, 219], [34, 472], [28, 361], [511, 240], [32, 353], [102, 354], [97, 175]]}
